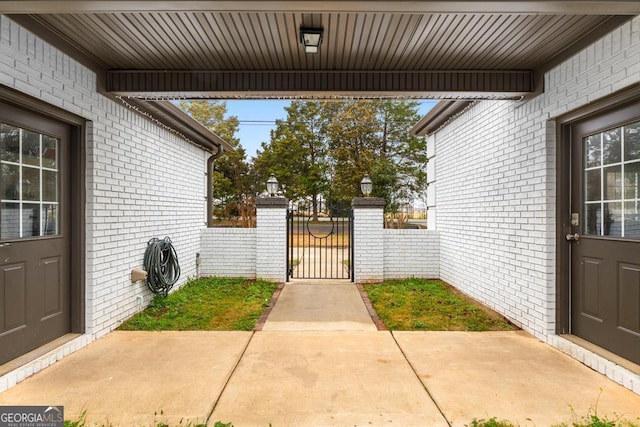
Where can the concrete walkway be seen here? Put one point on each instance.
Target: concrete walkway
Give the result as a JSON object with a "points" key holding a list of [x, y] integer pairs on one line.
{"points": [[335, 305], [297, 372]]}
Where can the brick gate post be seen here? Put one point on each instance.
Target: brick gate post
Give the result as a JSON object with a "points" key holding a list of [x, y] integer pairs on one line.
{"points": [[271, 238], [368, 239]]}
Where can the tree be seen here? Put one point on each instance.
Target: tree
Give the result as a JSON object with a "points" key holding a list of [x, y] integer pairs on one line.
{"points": [[373, 138], [352, 131], [233, 179], [297, 154], [402, 167]]}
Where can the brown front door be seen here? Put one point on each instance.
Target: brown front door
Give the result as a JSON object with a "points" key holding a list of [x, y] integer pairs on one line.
{"points": [[605, 208], [34, 231]]}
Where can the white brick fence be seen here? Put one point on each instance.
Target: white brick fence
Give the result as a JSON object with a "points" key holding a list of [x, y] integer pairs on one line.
{"points": [[261, 252]]}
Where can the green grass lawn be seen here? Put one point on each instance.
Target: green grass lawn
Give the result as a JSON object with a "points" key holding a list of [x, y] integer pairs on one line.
{"points": [[431, 305], [209, 304]]}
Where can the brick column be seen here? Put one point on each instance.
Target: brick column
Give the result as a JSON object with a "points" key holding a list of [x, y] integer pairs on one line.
{"points": [[368, 239], [271, 238]]}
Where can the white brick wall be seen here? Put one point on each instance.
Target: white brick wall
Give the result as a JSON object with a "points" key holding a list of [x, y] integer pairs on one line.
{"points": [[411, 253], [496, 185], [228, 252], [368, 245], [231, 252], [490, 213], [142, 181], [271, 243]]}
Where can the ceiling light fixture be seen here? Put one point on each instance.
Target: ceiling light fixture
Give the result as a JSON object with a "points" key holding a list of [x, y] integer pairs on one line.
{"points": [[311, 38]]}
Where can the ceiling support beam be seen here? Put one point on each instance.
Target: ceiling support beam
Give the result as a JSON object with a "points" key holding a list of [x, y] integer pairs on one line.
{"points": [[502, 84]]}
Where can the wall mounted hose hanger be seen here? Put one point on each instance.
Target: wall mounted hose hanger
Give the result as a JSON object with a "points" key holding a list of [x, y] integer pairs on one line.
{"points": [[161, 263]]}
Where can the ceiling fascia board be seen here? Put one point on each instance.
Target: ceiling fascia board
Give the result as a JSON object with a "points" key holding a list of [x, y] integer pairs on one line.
{"points": [[401, 6], [503, 84], [327, 95]]}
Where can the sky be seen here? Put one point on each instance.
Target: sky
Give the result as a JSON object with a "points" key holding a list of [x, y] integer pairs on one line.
{"points": [[257, 118]]}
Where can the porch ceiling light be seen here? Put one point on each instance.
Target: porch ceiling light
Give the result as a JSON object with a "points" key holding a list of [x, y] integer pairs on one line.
{"points": [[272, 185], [366, 186], [311, 38]]}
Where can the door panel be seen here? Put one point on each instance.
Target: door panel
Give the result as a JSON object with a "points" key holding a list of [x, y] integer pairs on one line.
{"points": [[629, 297], [12, 286], [592, 280], [35, 231], [605, 261], [53, 286]]}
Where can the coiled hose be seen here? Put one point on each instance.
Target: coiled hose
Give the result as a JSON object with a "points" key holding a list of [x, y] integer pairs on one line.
{"points": [[161, 263]]}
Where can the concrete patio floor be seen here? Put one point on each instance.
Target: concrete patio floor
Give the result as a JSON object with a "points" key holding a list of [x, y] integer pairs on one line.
{"points": [[309, 376]]}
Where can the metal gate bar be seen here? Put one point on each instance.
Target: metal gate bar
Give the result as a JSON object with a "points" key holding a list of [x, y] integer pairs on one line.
{"points": [[319, 249]]}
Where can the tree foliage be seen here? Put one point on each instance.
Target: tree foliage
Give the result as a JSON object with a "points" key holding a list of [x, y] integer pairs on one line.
{"points": [[320, 152], [323, 149], [297, 154], [233, 178]]}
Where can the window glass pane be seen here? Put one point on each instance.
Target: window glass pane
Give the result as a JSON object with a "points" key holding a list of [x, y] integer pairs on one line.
{"points": [[611, 146], [592, 151], [49, 186], [50, 219], [632, 219], [10, 182], [613, 219], [632, 141], [592, 184], [592, 223], [613, 183], [30, 148], [632, 181], [9, 143], [10, 221], [30, 220], [30, 183], [49, 152]]}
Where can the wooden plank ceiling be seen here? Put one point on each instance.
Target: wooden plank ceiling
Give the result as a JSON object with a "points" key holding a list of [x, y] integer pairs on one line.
{"points": [[225, 50]]}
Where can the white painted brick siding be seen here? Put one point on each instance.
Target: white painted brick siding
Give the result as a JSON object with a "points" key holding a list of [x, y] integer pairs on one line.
{"points": [[228, 252], [411, 253], [142, 181], [368, 245], [271, 244], [490, 213], [496, 186]]}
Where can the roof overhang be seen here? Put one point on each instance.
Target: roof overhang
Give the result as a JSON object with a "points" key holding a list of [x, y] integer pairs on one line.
{"points": [[159, 49], [438, 117], [167, 115], [318, 6]]}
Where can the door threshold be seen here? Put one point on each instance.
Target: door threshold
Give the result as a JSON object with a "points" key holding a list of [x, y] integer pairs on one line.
{"points": [[38, 352], [618, 360]]}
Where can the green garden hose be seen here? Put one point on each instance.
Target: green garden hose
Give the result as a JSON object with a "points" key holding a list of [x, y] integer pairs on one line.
{"points": [[161, 263]]}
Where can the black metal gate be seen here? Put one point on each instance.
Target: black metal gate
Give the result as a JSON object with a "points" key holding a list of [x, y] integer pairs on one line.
{"points": [[319, 246]]}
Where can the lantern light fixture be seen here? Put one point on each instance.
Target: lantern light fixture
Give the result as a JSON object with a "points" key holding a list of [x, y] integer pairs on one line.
{"points": [[366, 186], [272, 186]]}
